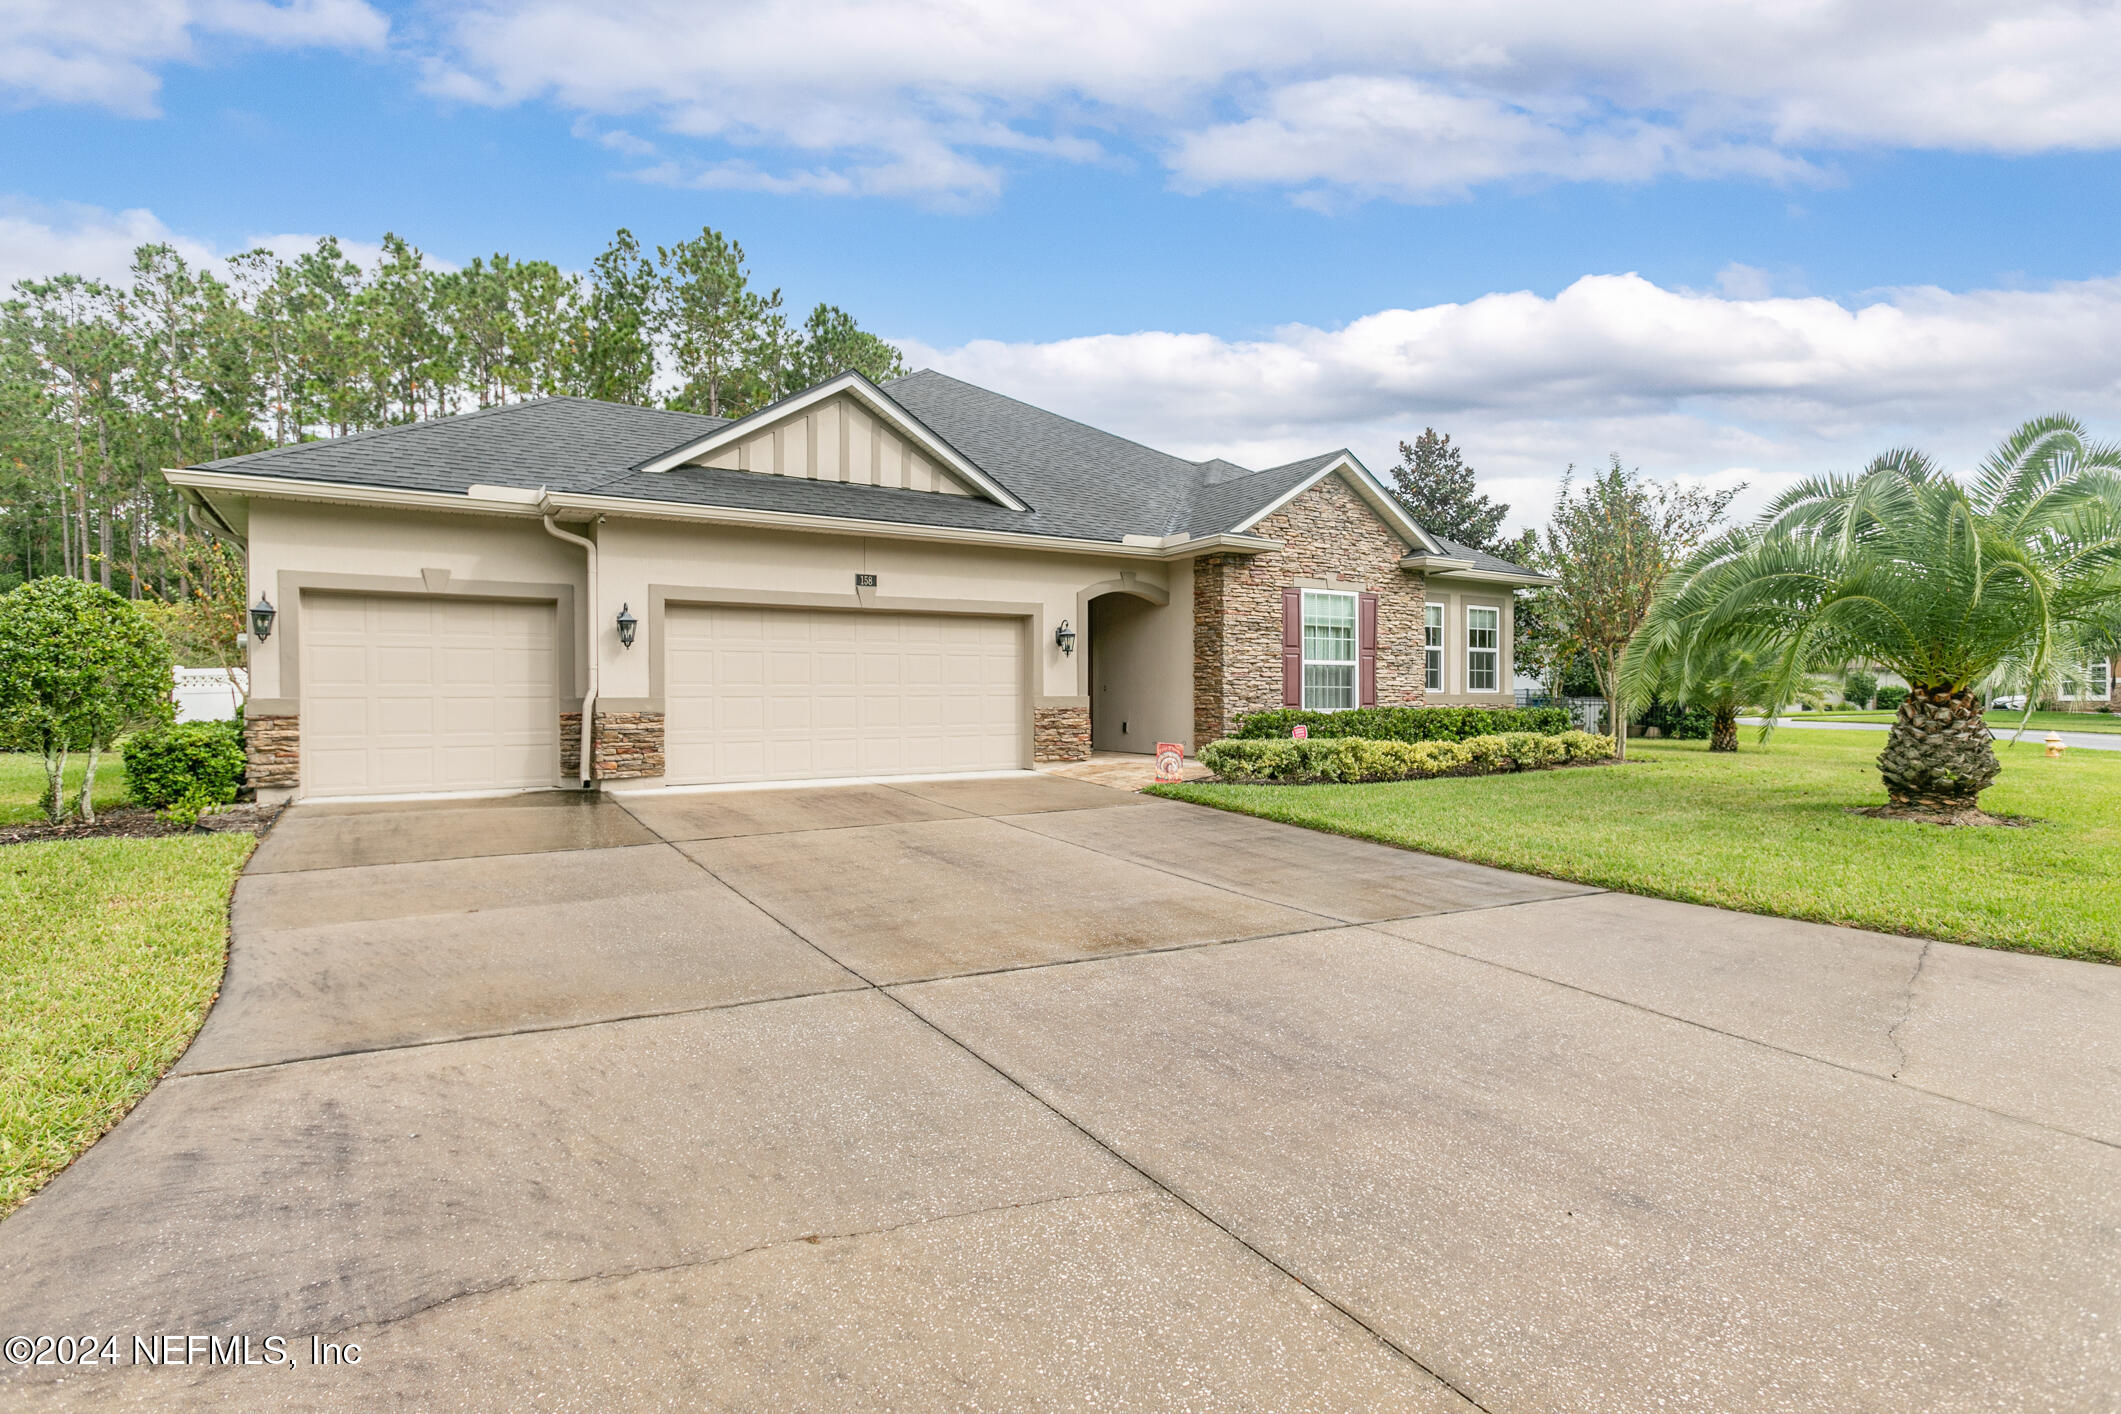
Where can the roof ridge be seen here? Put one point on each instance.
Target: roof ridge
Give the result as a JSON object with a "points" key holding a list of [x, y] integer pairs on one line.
{"points": [[1048, 412]]}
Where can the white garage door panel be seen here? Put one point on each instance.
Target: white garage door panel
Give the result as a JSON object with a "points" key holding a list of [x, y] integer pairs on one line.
{"points": [[404, 693], [789, 694]]}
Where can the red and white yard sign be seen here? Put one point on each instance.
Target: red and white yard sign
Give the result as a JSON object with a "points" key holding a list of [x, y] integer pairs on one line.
{"points": [[1170, 755]]}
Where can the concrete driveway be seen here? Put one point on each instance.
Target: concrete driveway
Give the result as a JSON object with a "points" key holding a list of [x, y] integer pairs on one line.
{"points": [[1025, 1093]]}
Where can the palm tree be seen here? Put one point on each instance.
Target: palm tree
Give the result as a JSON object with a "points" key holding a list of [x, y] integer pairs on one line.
{"points": [[1945, 582], [1722, 676]]}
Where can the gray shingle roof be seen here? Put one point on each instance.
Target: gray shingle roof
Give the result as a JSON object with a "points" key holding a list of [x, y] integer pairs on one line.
{"points": [[567, 444], [1481, 559], [1078, 482]]}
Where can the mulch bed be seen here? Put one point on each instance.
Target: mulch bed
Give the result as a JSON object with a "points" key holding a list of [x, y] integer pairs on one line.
{"points": [[131, 822], [1963, 818]]}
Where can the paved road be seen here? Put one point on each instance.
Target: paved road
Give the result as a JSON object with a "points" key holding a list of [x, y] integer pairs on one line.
{"points": [[2094, 741], [1026, 1094]]}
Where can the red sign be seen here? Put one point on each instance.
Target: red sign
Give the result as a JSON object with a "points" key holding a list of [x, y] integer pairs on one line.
{"points": [[1170, 755], [1299, 732]]}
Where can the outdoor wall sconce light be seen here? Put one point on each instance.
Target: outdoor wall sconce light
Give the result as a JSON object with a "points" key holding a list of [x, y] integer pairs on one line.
{"points": [[261, 617], [627, 624], [1064, 638]]}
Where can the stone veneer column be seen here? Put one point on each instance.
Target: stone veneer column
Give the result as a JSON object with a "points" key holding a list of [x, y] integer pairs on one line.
{"points": [[628, 745], [1060, 733], [272, 751]]}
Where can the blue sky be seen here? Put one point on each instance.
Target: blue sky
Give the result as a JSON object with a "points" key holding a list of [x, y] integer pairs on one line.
{"points": [[1213, 230]]}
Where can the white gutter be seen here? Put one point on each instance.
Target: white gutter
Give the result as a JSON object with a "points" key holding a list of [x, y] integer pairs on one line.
{"points": [[589, 699]]}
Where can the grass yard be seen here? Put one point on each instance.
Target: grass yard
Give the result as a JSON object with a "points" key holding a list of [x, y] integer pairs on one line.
{"points": [[2003, 724], [1768, 831], [110, 953], [22, 784]]}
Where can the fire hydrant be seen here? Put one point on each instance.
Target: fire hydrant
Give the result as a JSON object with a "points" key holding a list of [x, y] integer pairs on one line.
{"points": [[2055, 745]]}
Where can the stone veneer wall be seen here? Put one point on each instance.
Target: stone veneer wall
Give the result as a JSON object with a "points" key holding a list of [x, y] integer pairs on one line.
{"points": [[272, 751], [628, 744], [1060, 733], [1237, 600]]}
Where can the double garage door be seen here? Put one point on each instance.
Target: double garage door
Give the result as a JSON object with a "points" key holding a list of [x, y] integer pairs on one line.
{"points": [[403, 694], [786, 694]]}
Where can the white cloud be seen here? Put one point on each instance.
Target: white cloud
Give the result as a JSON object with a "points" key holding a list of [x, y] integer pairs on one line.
{"points": [[106, 52], [37, 242], [1411, 99], [1685, 383]]}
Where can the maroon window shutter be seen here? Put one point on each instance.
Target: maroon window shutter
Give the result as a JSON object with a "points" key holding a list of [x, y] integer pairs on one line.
{"points": [[1366, 651], [1292, 648]]}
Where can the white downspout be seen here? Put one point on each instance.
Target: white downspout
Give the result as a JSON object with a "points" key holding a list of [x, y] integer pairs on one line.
{"points": [[589, 700]]}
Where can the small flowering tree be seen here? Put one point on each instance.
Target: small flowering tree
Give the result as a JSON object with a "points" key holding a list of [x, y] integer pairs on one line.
{"points": [[78, 666]]}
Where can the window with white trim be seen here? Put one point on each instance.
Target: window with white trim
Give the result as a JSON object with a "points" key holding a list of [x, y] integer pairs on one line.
{"points": [[1432, 645], [1329, 650], [1483, 648], [2094, 684]]}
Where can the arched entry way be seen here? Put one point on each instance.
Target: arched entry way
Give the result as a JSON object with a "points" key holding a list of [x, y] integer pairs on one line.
{"points": [[1139, 670]]}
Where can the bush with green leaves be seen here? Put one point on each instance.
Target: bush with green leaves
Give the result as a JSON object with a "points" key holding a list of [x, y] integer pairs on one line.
{"points": [[1406, 723], [1678, 720], [1859, 687], [79, 666], [1282, 761], [187, 769], [1890, 698]]}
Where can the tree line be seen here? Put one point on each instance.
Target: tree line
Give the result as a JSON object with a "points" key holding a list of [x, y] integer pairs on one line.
{"points": [[105, 383]]}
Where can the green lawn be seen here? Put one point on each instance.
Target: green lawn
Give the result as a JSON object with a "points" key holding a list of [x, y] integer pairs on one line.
{"points": [[1768, 831], [2002, 723], [110, 954], [22, 784]]}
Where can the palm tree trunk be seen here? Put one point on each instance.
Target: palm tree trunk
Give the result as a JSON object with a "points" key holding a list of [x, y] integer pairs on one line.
{"points": [[1938, 757], [1723, 730]]}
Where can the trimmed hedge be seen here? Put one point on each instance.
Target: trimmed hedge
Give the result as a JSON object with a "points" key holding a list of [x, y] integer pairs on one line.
{"points": [[1355, 759], [1890, 698], [1407, 723], [190, 767]]}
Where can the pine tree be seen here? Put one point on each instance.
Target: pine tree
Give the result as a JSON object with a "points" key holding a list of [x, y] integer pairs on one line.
{"points": [[1434, 483]]}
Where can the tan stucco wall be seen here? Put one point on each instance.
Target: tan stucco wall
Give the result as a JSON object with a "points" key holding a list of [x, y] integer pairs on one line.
{"points": [[1143, 657], [1456, 599], [910, 575], [837, 440], [307, 540]]}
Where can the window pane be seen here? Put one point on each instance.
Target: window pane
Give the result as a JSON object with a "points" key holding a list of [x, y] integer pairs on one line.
{"points": [[1435, 675], [1480, 672], [1483, 627], [1329, 628], [1329, 687]]}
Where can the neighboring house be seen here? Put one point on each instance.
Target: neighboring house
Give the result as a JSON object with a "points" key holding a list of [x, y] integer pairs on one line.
{"points": [[855, 581], [2097, 687]]}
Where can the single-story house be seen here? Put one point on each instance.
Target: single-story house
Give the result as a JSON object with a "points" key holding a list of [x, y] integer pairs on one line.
{"points": [[858, 580]]}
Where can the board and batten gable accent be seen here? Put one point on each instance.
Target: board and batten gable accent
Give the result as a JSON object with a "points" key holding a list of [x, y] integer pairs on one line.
{"points": [[837, 440], [1241, 613]]}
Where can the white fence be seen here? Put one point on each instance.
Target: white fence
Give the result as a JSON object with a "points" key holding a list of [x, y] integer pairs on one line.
{"points": [[210, 694]]}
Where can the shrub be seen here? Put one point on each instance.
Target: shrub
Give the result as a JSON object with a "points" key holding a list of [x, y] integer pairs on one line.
{"points": [[1890, 698], [1859, 687], [1406, 723], [1355, 759], [193, 766], [1679, 721]]}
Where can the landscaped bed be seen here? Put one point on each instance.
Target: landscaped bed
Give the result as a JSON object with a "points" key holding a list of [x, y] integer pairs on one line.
{"points": [[1770, 829], [111, 951]]}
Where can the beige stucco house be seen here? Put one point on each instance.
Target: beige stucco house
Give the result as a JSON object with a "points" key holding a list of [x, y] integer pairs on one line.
{"points": [[856, 581]]}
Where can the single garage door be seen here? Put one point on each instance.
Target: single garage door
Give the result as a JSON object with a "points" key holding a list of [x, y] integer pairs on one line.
{"points": [[404, 693], [790, 694]]}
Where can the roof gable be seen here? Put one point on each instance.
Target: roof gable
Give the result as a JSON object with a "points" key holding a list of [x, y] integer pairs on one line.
{"points": [[845, 430], [1349, 469]]}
